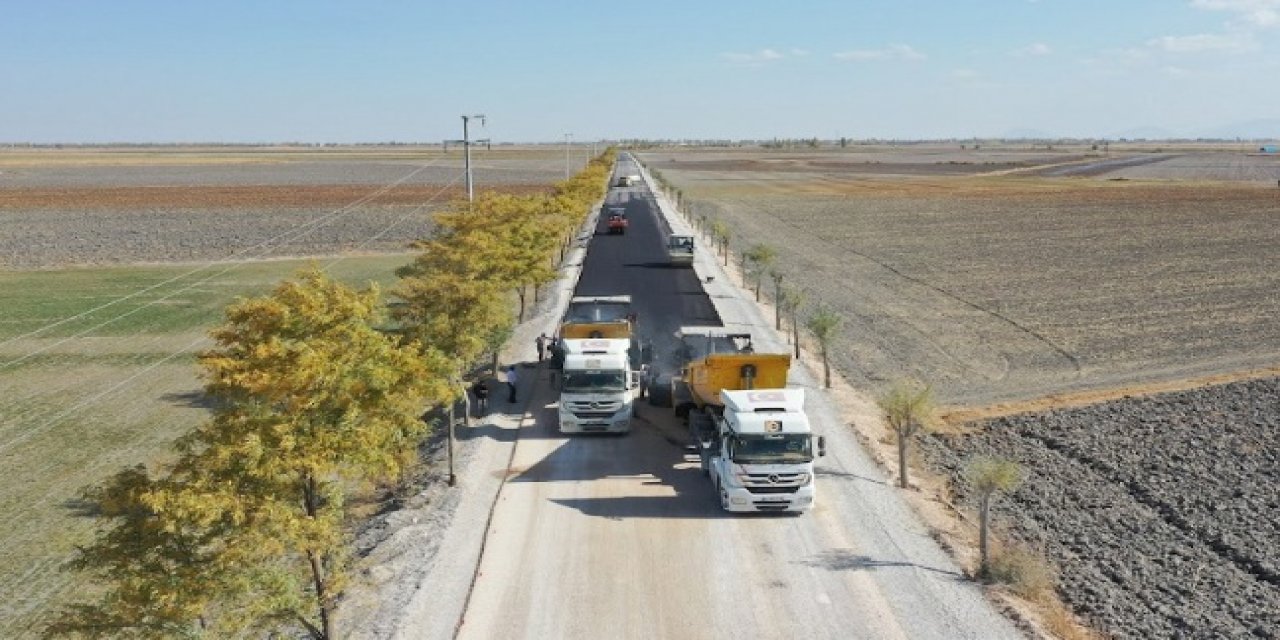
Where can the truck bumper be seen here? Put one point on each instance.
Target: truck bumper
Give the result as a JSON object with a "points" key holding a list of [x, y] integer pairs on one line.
{"points": [[572, 425], [741, 500]]}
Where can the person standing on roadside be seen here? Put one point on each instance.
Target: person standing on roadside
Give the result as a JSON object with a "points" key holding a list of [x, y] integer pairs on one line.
{"points": [[513, 378], [541, 341], [481, 391]]}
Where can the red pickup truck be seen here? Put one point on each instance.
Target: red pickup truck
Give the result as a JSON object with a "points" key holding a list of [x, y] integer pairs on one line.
{"points": [[617, 220]]}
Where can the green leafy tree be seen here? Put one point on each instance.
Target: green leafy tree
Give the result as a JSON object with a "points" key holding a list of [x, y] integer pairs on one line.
{"points": [[721, 234], [823, 324], [777, 275], [163, 576], [990, 477], [761, 257], [791, 301], [907, 408], [246, 532]]}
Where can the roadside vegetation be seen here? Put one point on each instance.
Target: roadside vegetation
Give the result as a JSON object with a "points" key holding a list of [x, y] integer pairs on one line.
{"points": [[314, 398]]}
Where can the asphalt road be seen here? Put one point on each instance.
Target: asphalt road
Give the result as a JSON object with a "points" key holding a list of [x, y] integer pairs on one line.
{"points": [[621, 537]]}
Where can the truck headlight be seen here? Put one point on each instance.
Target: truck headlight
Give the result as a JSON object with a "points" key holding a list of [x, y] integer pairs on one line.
{"points": [[804, 478]]}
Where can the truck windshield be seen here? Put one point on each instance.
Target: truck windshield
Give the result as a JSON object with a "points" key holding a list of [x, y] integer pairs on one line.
{"points": [[595, 381], [597, 312], [771, 449]]}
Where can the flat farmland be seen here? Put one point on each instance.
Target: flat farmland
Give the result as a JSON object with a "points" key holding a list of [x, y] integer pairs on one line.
{"points": [[121, 206], [1002, 287], [114, 265], [97, 372], [1046, 311]]}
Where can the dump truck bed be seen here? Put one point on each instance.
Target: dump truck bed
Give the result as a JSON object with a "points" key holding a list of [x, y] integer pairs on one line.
{"points": [[708, 376]]}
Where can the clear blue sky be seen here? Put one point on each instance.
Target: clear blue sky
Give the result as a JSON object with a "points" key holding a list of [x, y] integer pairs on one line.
{"points": [[241, 71]]}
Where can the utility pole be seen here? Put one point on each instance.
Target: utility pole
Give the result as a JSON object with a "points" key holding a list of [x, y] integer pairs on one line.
{"points": [[567, 137], [466, 143]]}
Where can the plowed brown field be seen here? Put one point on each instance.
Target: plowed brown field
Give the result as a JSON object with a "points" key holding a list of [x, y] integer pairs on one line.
{"points": [[1000, 287]]}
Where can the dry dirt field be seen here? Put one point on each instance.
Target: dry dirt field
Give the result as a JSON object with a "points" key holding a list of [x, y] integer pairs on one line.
{"points": [[1049, 294], [97, 362], [1005, 287], [120, 206]]}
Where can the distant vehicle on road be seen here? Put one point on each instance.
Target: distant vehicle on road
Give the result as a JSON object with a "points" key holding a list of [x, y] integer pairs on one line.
{"points": [[617, 220], [680, 250]]}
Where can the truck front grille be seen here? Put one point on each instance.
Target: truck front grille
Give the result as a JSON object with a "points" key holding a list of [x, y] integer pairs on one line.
{"points": [[593, 415], [773, 489]]}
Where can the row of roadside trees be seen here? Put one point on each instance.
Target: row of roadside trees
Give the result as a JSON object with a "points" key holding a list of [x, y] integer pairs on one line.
{"points": [[314, 401]]}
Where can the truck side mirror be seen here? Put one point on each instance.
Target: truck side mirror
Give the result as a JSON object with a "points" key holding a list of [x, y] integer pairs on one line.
{"points": [[633, 379], [822, 446]]}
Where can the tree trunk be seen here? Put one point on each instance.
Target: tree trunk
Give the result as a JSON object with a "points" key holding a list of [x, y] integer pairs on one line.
{"points": [[902, 459], [520, 291], [984, 523], [826, 368], [453, 479], [795, 333], [777, 310], [310, 499], [317, 575]]}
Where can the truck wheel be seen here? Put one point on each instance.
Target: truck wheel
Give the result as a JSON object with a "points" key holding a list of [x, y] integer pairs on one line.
{"points": [[659, 394], [684, 409]]}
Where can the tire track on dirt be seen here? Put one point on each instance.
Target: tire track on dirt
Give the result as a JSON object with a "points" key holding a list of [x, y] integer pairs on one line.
{"points": [[1054, 347], [1167, 512]]}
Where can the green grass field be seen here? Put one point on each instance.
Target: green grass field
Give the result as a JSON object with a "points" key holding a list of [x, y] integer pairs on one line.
{"points": [[97, 373]]}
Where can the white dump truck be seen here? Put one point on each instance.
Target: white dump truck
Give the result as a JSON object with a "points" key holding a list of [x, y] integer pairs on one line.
{"points": [[597, 385], [759, 450]]}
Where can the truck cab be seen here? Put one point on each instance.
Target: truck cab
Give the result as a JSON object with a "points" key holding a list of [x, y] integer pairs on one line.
{"points": [[759, 452], [596, 386], [680, 250]]}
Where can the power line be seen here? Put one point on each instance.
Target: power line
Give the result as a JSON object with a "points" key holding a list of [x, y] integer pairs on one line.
{"points": [[291, 234]]}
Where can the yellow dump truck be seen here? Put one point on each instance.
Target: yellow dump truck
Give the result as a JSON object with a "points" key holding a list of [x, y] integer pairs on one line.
{"points": [[607, 317], [753, 438], [713, 359], [598, 317]]}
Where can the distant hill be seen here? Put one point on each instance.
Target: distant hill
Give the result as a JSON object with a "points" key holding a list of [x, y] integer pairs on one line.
{"points": [[1262, 129], [1145, 133]]}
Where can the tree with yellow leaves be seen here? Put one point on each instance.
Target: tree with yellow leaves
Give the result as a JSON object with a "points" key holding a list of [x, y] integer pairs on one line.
{"points": [[247, 531]]}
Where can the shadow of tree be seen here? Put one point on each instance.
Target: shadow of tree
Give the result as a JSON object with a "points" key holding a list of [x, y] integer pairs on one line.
{"points": [[848, 560]]}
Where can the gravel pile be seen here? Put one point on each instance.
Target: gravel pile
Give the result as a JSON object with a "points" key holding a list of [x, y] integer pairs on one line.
{"points": [[1161, 513]]}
